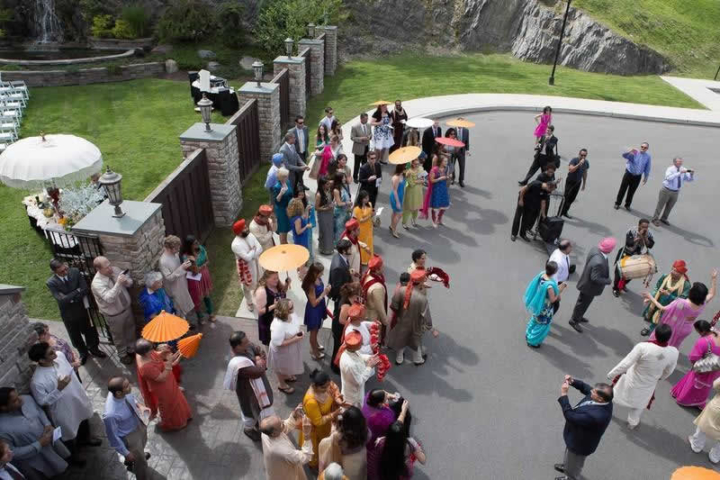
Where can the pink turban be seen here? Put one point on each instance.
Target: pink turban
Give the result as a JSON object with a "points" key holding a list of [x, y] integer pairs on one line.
{"points": [[607, 244]]}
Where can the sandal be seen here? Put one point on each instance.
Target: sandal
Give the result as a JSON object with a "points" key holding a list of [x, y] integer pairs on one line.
{"points": [[287, 390], [318, 358], [321, 348]]}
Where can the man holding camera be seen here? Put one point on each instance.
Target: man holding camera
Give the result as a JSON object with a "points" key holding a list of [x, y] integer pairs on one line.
{"points": [[674, 178]]}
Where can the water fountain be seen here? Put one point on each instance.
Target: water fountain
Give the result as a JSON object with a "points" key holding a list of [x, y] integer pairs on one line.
{"points": [[47, 24]]}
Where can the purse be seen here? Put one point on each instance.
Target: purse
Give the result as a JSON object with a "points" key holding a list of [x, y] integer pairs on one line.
{"points": [[709, 363], [314, 167]]}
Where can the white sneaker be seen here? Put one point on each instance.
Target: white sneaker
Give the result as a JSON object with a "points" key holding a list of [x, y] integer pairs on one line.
{"points": [[692, 446], [418, 357], [400, 358]]}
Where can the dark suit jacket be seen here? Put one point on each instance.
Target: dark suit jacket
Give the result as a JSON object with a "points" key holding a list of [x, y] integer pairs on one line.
{"points": [[584, 426], [366, 171], [292, 161], [595, 275], [339, 276], [304, 132], [69, 295], [428, 139], [464, 137]]}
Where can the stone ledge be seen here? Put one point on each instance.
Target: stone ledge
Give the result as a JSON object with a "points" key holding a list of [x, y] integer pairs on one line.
{"points": [[56, 78]]}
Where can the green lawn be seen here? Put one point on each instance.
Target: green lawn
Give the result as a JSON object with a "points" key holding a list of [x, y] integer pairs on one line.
{"points": [[685, 31]]}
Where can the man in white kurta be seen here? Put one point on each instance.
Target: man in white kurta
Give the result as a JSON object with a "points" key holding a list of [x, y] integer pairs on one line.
{"points": [[355, 369], [174, 274], [247, 250], [263, 228], [641, 370], [282, 459]]}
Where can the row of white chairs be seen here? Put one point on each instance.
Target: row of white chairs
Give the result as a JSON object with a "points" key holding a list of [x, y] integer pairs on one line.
{"points": [[14, 97]]}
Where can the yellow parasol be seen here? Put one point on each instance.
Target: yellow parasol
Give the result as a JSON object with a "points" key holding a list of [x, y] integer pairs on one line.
{"points": [[282, 258], [188, 346], [695, 473], [380, 102], [458, 122], [404, 155], [165, 327]]}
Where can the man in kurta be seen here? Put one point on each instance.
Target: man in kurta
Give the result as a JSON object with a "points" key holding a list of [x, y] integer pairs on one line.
{"points": [[376, 296], [25, 427], [262, 227], [669, 286], [282, 460], [247, 250], [351, 233], [640, 371], [56, 387], [413, 318], [355, 369], [174, 273], [246, 376]]}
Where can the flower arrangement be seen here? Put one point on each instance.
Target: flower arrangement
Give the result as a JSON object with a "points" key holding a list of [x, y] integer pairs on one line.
{"points": [[77, 202]]}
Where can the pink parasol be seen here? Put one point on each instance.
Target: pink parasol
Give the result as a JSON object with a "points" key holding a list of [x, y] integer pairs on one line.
{"points": [[450, 142]]}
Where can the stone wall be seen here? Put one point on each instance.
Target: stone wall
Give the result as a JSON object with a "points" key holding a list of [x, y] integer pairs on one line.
{"points": [[296, 68], [317, 60], [55, 78], [268, 98], [16, 337]]}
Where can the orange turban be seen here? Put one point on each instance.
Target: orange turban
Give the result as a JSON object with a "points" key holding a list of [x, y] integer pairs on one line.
{"points": [[353, 339], [680, 266], [265, 210], [239, 226], [375, 262], [357, 310], [417, 277]]}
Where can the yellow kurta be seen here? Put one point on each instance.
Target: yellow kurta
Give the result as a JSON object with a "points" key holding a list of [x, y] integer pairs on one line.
{"points": [[365, 217], [315, 411]]}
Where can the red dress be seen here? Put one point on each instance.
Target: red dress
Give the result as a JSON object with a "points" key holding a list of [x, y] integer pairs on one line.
{"points": [[163, 396]]}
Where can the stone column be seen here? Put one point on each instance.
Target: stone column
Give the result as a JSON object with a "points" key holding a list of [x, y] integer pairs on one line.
{"points": [[221, 147], [331, 60], [267, 96], [132, 242], [317, 60], [16, 338], [296, 68]]}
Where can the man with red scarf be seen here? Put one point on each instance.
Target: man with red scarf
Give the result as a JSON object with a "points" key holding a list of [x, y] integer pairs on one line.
{"points": [[262, 227], [375, 291], [352, 230], [413, 318]]}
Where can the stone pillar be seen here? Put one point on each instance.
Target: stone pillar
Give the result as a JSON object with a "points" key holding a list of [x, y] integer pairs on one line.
{"points": [[267, 96], [221, 147], [132, 242], [331, 60], [296, 68], [16, 338], [317, 60]]}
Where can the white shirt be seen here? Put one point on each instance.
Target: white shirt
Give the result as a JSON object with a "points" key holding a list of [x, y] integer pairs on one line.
{"points": [[364, 330], [563, 263], [353, 374], [674, 179], [5, 471], [242, 248], [300, 139], [643, 367], [280, 331], [328, 123], [111, 296]]}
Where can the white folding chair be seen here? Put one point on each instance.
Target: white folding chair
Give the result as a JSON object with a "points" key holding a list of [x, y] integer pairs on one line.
{"points": [[8, 114]]}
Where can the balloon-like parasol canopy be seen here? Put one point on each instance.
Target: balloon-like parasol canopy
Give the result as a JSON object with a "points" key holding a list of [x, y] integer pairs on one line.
{"points": [[419, 122], [404, 155], [459, 122], [450, 142], [282, 258], [381, 102], [695, 473], [165, 327], [188, 346]]}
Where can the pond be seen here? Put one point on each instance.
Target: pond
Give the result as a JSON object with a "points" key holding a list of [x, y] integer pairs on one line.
{"points": [[64, 53]]}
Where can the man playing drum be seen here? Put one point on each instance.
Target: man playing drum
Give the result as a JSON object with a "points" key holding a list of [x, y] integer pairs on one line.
{"points": [[638, 241]]}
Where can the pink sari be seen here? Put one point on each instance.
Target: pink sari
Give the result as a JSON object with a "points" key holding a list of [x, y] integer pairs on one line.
{"points": [[326, 157], [428, 194], [694, 388], [680, 316]]}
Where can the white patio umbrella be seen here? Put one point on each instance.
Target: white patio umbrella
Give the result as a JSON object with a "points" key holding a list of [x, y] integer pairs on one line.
{"points": [[35, 162]]}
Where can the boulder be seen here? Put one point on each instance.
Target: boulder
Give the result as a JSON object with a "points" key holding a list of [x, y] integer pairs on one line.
{"points": [[162, 49], [246, 62], [206, 54], [171, 66], [213, 66]]}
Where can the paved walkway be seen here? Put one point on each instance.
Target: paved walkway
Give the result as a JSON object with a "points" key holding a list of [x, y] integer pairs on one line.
{"points": [[706, 92]]}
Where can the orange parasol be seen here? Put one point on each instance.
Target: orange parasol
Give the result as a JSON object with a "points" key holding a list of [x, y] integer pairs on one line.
{"points": [[282, 258], [188, 346], [695, 473], [404, 155], [450, 142], [164, 328], [460, 123], [380, 102]]}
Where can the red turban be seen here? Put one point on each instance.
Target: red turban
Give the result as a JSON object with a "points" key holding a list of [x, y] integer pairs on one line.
{"points": [[352, 224], [239, 226], [680, 266], [375, 262], [265, 210], [357, 310]]}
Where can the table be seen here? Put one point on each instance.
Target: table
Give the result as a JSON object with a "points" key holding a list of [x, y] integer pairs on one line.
{"points": [[222, 96], [50, 227]]}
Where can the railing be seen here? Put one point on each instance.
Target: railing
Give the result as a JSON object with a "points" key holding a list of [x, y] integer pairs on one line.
{"points": [[308, 70], [185, 198], [322, 37], [283, 79], [248, 139]]}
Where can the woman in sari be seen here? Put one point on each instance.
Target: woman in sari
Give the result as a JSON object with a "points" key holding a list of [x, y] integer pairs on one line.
{"points": [[670, 286], [343, 205], [413, 197], [201, 287], [363, 213], [321, 403], [540, 295], [694, 388], [159, 386]]}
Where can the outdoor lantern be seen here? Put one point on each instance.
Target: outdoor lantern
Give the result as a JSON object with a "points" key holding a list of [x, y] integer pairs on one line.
{"points": [[111, 182], [289, 46], [311, 30], [258, 70], [205, 105]]}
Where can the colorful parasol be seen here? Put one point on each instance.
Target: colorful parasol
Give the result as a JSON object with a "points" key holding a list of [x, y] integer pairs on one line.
{"points": [[419, 123], [282, 258], [380, 102], [695, 473], [188, 346], [458, 122], [450, 142], [404, 155], [165, 327]]}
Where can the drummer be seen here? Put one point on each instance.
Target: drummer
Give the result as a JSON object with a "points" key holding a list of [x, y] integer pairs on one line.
{"points": [[638, 241]]}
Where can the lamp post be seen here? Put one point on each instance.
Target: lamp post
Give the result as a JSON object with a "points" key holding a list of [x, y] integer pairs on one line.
{"points": [[111, 182], [289, 43], [205, 105], [258, 71], [716, 73], [557, 52], [311, 30]]}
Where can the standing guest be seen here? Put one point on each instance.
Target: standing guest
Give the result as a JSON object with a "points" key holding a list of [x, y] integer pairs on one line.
{"points": [[316, 306], [340, 165], [292, 160], [398, 118], [637, 164], [694, 387], [174, 273], [532, 201], [561, 256], [245, 375], [411, 138], [356, 323], [673, 182], [346, 445], [55, 388], [336, 129], [27, 430], [707, 426], [670, 286], [333, 472], [352, 233], [321, 404], [69, 288], [540, 296], [419, 260], [310, 207], [328, 119], [199, 288], [363, 213], [451, 153], [394, 455], [247, 250], [371, 176], [285, 354], [355, 369], [360, 134], [437, 197], [397, 185], [413, 196], [413, 316], [637, 375], [159, 386], [324, 207], [343, 205], [300, 226], [638, 241], [7, 469], [383, 136], [545, 155], [269, 290], [282, 194], [429, 144], [463, 134], [375, 291], [576, 180], [109, 287], [336, 148], [322, 152], [681, 313], [585, 424], [593, 279], [60, 345], [379, 415], [282, 460], [543, 121], [262, 227], [271, 178], [126, 426], [340, 274], [153, 298], [301, 137]]}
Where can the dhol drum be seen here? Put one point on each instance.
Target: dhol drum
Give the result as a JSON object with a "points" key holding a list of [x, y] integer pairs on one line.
{"points": [[637, 266]]}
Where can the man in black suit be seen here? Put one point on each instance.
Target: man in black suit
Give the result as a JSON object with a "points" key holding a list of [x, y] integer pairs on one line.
{"points": [[300, 131], [545, 153], [69, 287], [585, 424], [463, 134], [339, 275], [593, 280], [369, 175], [532, 201], [428, 143]]}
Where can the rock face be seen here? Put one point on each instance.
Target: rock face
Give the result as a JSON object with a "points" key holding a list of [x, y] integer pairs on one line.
{"points": [[529, 29]]}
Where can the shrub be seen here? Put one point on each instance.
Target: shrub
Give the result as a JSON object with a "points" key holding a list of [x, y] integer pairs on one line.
{"points": [[122, 29], [186, 20], [229, 18], [114, 70], [137, 19], [102, 26]]}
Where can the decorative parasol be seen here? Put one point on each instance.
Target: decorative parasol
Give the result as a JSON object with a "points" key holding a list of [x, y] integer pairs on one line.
{"points": [[404, 155], [419, 123], [165, 327], [380, 102], [282, 258], [450, 142], [695, 473], [60, 160], [188, 346], [460, 123]]}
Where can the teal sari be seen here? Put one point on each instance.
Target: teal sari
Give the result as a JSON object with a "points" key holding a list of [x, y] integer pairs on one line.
{"points": [[538, 303]]}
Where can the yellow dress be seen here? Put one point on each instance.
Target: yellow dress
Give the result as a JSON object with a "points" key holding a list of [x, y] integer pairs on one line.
{"points": [[365, 217], [316, 412]]}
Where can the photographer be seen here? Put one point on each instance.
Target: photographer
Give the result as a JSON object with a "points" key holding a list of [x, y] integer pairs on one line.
{"points": [[674, 178]]}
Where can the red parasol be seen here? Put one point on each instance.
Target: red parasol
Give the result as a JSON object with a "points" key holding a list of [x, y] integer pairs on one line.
{"points": [[450, 142]]}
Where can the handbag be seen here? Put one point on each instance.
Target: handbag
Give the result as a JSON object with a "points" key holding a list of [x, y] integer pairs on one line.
{"points": [[314, 167], [709, 363]]}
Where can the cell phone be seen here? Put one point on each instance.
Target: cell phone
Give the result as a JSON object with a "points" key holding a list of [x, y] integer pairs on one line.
{"points": [[125, 272], [299, 334]]}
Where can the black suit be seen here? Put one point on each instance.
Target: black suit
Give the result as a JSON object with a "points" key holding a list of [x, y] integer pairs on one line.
{"points": [[463, 134], [428, 144], [339, 276], [545, 153], [69, 295], [370, 186]]}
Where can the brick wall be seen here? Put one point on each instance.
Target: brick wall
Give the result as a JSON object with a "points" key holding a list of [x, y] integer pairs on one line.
{"points": [[16, 337], [55, 78]]}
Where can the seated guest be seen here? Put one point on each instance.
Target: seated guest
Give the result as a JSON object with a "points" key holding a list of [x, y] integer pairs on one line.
{"points": [[7, 469], [60, 345], [638, 241], [153, 298]]}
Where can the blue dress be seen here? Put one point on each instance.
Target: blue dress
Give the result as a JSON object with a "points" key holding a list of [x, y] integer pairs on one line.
{"points": [[440, 197], [314, 316], [398, 208], [283, 222], [537, 301], [303, 238]]}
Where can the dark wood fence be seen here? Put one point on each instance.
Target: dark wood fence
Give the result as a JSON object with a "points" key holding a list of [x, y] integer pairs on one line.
{"points": [[248, 138], [283, 79], [308, 70], [322, 37], [185, 198]]}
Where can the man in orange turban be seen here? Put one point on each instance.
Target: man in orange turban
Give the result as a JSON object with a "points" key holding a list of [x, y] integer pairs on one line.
{"points": [[262, 227], [375, 289], [351, 233], [247, 250], [413, 318], [355, 369]]}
